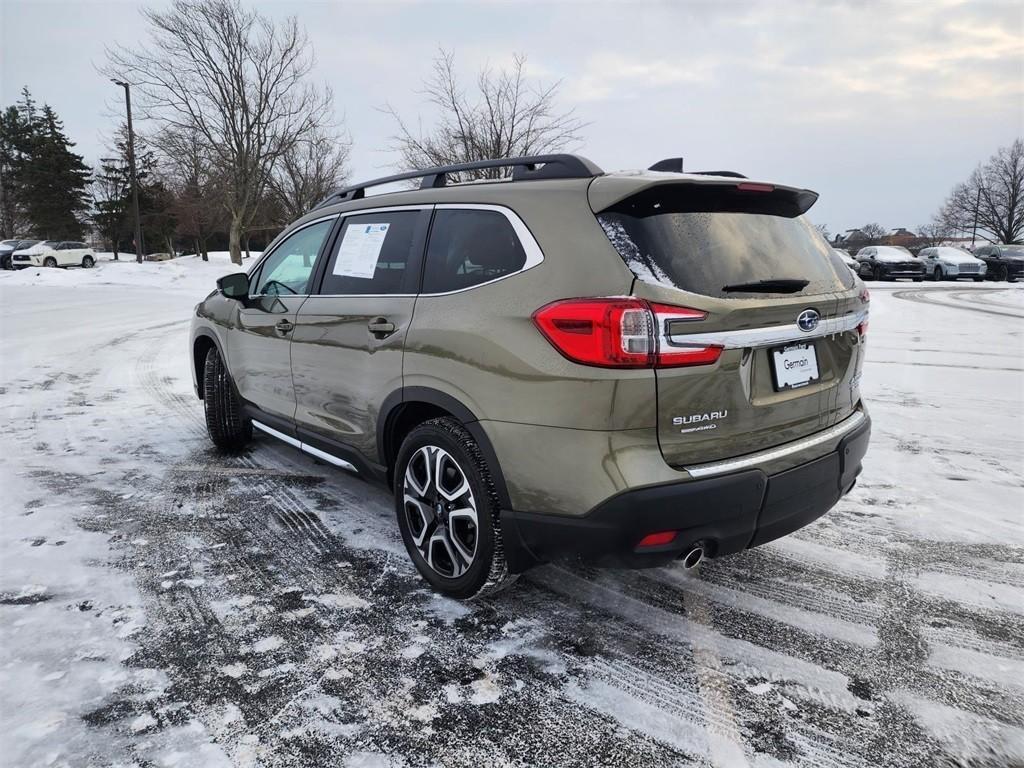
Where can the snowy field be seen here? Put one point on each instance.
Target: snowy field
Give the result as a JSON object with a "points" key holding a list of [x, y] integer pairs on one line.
{"points": [[162, 605]]}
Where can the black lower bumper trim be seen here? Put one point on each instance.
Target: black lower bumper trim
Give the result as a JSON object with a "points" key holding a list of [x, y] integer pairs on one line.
{"points": [[723, 514]]}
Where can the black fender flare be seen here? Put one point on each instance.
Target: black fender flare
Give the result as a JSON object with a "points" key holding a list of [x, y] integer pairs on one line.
{"points": [[392, 405], [197, 374]]}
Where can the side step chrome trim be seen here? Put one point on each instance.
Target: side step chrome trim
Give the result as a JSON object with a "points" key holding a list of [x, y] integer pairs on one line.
{"points": [[772, 335], [305, 447], [754, 459]]}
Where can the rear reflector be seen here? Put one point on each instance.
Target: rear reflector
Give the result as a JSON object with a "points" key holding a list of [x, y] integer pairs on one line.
{"points": [[657, 539], [621, 333]]}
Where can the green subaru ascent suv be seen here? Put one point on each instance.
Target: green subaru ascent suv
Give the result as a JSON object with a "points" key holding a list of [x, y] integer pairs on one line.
{"points": [[631, 368]]}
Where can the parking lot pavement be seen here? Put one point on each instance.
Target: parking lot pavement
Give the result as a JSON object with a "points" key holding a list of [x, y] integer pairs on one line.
{"points": [[163, 604]]}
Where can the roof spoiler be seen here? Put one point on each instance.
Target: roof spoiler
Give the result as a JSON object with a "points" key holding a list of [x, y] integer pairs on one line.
{"points": [[675, 165]]}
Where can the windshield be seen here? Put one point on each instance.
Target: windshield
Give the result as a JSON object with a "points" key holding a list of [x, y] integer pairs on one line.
{"points": [[705, 252]]}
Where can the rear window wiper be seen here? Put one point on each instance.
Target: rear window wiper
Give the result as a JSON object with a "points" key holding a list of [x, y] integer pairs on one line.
{"points": [[782, 285]]}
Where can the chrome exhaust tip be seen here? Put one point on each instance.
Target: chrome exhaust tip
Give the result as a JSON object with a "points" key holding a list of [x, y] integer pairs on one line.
{"points": [[693, 557]]}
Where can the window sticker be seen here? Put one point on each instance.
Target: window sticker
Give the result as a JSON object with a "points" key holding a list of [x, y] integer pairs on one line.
{"points": [[360, 250]]}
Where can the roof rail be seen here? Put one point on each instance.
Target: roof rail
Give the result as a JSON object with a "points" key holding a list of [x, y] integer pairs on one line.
{"points": [[563, 166]]}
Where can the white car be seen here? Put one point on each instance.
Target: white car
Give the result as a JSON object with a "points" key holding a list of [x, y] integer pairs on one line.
{"points": [[945, 263], [848, 260], [55, 253]]}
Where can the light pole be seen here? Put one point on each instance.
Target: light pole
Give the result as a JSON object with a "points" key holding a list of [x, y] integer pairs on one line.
{"points": [[131, 169]]}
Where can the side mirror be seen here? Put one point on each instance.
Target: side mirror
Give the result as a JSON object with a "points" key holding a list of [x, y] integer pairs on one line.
{"points": [[234, 286]]}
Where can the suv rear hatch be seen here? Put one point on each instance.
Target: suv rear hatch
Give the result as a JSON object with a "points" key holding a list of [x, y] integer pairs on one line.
{"points": [[742, 256]]}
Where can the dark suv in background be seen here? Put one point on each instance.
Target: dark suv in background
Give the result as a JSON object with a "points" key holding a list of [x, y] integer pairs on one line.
{"points": [[889, 262], [630, 367], [1002, 262]]}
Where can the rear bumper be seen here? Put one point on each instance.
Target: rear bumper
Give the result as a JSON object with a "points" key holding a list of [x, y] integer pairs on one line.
{"points": [[724, 514]]}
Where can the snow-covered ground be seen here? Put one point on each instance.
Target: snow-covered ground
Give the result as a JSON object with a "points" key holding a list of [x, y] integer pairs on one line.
{"points": [[163, 605]]}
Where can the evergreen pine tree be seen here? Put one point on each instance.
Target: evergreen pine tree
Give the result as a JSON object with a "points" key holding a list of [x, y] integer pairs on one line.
{"points": [[51, 182]]}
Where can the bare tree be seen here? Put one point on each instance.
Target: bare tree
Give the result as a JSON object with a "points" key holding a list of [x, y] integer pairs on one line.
{"points": [[234, 78], [991, 201], [933, 234], [196, 184], [505, 117], [309, 171], [873, 232]]}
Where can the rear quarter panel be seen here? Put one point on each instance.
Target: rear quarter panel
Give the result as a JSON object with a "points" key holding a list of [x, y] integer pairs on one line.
{"points": [[481, 347]]}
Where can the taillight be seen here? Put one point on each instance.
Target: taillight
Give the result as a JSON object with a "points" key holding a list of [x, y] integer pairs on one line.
{"points": [[621, 333]]}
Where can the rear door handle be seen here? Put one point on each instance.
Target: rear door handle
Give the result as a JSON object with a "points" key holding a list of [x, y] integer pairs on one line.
{"points": [[381, 326], [284, 326]]}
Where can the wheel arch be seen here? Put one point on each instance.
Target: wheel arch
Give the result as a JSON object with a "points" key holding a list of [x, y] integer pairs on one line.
{"points": [[407, 407], [202, 343]]}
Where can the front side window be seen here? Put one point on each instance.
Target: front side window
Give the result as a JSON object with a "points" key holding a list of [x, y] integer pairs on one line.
{"points": [[470, 247], [288, 269], [375, 254]]}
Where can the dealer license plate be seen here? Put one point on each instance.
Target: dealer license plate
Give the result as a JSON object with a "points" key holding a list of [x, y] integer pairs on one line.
{"points": [[795, 366]]}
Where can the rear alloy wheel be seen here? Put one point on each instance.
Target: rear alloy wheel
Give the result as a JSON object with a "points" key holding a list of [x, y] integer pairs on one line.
{"points": [[228, 427], [448, 511], [50, 262], [87, 262]]}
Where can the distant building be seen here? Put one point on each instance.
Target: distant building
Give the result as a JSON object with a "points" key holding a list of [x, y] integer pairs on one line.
{"points": [[901, 236]]}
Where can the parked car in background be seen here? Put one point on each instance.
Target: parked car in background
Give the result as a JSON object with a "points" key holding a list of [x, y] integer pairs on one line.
{"points": [[27, 257], [847, 259], [888, 262], [1004, 262], [54, 253], [946, 263], [7, 249]]}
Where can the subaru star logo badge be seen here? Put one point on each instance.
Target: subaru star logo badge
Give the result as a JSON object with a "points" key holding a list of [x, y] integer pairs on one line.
{"points": [[807, 320]]}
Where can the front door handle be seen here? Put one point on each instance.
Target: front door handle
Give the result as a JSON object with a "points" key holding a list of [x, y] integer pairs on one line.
{"points": [[381, 326], [284, 326]]}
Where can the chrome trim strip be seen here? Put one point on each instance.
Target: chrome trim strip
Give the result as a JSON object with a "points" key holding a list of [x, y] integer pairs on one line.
{"points": [[770, 336], [733, 465], [328, 457], [534, 255], [274, 433], [304, 447]]}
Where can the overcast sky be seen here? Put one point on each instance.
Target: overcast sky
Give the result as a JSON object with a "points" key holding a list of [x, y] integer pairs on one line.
{"points": [[879, 107]]}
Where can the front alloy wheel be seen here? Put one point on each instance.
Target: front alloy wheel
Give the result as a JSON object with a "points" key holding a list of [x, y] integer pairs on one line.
{"points": [[441, 511]]}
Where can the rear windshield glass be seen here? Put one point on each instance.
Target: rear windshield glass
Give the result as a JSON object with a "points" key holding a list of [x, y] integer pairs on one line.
{"points": [[672, 242]]}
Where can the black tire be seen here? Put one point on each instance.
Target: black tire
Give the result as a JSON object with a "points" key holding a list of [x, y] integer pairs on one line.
{"points": [[50, 262], [876, 273], [979, 279], [487, 573], [937, 275], [6, 263], [88, 262], [1003, 274], [227, 425], [917, 279]]}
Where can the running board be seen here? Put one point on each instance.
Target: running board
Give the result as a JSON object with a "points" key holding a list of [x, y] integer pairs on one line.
{"points": [[305, 447]]}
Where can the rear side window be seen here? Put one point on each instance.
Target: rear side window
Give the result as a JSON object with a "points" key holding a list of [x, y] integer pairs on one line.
{"points": [[702, 243], [470, 247], [375, 254]]}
